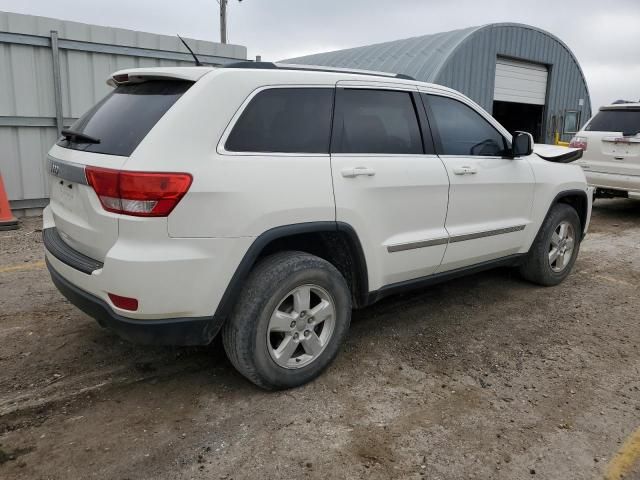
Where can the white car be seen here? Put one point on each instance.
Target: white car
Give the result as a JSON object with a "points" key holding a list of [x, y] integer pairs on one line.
{"points": [[611, 145], [267, 201]]}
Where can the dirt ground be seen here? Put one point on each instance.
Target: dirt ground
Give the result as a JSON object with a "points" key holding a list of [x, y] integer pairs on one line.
{"points": [[483, 377]]}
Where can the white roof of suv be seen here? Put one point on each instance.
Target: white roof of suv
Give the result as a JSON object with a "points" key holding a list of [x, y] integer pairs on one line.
{"points": [[621, 106], [195, 73]]}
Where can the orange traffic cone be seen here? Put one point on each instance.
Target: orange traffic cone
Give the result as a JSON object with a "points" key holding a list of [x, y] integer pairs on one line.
{"points": [[7, 220]]}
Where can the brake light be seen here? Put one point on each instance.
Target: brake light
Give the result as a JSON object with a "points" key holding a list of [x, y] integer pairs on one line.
{"points": [[121, 78], [140, 194], [579, 142]]}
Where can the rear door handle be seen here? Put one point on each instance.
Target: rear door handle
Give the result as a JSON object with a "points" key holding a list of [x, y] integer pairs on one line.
{"points": [[357, 171], [466, 170]]}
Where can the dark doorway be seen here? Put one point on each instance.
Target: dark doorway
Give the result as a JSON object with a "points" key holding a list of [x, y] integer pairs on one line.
{"points": [[520, 116]]}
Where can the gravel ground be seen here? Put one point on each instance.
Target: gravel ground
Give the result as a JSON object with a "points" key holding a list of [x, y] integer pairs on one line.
{"points": [[482, 377]]}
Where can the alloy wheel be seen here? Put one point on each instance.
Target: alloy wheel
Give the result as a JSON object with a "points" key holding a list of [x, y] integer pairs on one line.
{"points": [[561, 246], [301, 326]]}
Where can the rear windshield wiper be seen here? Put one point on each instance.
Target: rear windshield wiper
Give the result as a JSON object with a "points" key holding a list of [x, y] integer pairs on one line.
{"points": [[78, 137]]}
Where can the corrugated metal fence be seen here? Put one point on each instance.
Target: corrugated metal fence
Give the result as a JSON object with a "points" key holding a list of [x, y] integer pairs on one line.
{"points": [[52, 71]]}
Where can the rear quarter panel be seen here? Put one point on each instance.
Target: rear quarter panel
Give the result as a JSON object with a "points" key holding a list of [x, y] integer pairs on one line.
{"points": [[232, 195]]}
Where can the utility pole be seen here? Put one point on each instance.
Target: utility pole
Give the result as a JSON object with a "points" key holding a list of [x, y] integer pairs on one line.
{"points": [[223, 21]]}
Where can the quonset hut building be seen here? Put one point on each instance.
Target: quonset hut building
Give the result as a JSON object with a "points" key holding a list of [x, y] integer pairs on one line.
{"points": [[527, 78]]}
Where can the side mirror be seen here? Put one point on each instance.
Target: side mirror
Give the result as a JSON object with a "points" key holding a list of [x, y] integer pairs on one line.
{"points": [[521, 144]]}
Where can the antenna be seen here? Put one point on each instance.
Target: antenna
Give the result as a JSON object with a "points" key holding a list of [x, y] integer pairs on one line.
{"points": [[198, 64]]}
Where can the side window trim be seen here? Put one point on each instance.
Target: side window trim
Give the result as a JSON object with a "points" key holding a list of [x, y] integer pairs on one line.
{"points": [[421, 118], [436, 134], [221, 144], [336, 124], [428, 140]]}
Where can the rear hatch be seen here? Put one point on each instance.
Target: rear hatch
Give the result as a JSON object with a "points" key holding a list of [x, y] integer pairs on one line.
{"points": [[103, 138], [613, 141]]}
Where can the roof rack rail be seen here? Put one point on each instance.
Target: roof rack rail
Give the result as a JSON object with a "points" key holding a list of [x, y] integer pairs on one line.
{"points": [[312, 68]]}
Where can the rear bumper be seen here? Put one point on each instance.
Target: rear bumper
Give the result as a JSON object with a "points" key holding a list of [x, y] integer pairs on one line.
{"points": [[170, 277], [625, 183], [173, 331], [590, 191], [63, 252]]}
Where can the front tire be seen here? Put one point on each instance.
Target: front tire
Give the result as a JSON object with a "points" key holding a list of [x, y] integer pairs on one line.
{"points": [[290, 320], [555, 249]]}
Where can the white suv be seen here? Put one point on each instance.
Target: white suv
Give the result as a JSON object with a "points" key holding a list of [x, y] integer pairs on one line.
{"points": [[611, 144], [267, 201]]}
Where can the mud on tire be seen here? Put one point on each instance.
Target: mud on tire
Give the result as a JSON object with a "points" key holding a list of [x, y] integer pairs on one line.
{"points": [[538, 266], [271, 312]]}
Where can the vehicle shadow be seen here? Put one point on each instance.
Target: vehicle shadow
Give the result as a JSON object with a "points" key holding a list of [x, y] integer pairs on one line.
{"points": [[76, 354], [617, 212], [425, 310]]}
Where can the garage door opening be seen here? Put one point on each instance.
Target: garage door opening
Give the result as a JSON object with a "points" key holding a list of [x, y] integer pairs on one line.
{"points": [[520, 95], [520, 116]]}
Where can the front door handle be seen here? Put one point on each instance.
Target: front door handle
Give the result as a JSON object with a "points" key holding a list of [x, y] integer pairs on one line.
{"points": [[357, 171], [466, 170]]}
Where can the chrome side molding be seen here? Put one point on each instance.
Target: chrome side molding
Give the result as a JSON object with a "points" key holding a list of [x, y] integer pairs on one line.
{"points": [[453, 239], [421, 244], [488, 233]]}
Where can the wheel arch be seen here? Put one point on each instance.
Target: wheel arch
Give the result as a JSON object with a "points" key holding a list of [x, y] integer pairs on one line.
{"points": [[578, 200], [336, 242], [575, 198]]}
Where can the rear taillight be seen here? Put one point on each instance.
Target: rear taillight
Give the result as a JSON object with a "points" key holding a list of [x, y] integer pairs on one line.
{"points": [[141, 194], [579, 142]]}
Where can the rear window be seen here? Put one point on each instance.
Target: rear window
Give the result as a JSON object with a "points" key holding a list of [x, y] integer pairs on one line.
{"points": [[285, 120], [621, 120], [125, 116]]}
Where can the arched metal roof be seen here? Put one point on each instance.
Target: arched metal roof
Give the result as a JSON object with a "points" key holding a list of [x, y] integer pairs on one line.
{"points": [[465, 60], [419, 57]]}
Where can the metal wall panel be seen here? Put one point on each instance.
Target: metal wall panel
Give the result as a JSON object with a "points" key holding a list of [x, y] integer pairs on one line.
{"points": [[466, 61], [88, 55]]}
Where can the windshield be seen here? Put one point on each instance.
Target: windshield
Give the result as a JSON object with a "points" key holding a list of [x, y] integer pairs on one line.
{"points": [[124, 117]]}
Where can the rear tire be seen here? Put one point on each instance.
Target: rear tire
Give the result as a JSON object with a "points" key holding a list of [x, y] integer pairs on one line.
{"points": [[555, 249], [289, 322]]}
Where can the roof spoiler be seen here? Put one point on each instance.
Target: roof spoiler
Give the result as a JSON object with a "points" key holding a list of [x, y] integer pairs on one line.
{"points": [[138, 75]]}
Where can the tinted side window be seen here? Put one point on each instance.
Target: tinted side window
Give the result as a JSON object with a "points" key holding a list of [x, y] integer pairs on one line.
{"points": [[626, 121], [376, 121], [126, 115], [462, 130], [285, 120]]}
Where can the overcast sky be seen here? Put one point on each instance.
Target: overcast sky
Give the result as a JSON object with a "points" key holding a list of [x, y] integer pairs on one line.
{"points": [[604, 35]]}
